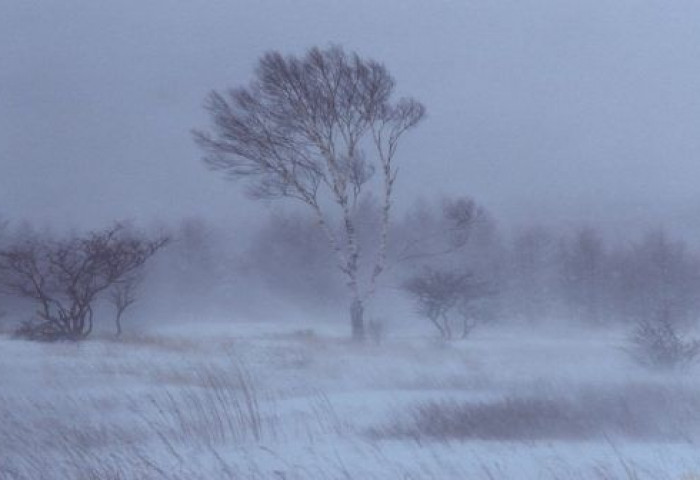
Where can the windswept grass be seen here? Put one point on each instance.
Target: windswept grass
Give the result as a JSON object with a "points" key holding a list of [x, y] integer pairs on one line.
{"points": [[634, 411], [297, 407]]}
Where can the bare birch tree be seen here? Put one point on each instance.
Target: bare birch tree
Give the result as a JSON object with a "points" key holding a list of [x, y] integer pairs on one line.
{"points": [[317, 129]]}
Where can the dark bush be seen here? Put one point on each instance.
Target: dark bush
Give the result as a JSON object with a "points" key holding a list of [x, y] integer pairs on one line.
{"points": [[65, 278], [659, 344]]}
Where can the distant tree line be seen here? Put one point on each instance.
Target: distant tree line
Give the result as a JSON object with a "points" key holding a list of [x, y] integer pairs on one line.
{"points": [[452, 262], [535, 274]]}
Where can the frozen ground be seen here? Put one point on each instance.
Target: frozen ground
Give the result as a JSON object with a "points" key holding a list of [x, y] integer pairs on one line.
{"points": [[281, 401]]}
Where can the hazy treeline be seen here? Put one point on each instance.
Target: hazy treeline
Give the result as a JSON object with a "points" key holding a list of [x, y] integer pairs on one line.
{"points": [[534, 273], [581, 274]]}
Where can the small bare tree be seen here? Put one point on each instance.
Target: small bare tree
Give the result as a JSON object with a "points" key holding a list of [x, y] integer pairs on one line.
{"points": [[122, 296], [66, 277], [303, 130], [444, 297]]}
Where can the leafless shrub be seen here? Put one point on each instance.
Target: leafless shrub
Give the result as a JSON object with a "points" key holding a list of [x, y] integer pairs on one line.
{"points": [[659, 344], [438, 294], [66, 277]]}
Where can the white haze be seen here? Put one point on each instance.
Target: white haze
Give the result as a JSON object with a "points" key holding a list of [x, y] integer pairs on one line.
{"points": [[573, 124], [558, 111]]}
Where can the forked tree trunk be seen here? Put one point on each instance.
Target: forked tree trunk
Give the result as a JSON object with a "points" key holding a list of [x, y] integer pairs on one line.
{"points": [[357, 312]]}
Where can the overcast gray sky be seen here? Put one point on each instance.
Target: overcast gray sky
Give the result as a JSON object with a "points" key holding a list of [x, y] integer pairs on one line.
{"points": [[583, 110]]}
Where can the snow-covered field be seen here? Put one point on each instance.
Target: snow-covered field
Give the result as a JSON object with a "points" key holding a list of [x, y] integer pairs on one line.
{"points": [[282, 401]]}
